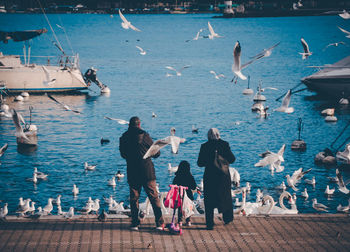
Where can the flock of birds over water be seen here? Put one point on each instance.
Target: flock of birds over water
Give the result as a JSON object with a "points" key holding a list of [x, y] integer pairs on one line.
{"points": [[264, 204]]}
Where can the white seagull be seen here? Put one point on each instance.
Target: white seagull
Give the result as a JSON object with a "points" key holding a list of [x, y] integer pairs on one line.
{"points": [[196, 37], [335, 44], [75, 190], [319, 206], [70, 213], [235, 177], [212, 34], [272, 159], [282, 186], [297, 175], [111, 182], [66, 107], [40, 175], [173, 140], [49, 207], [305, 194], [329, 191], [49, 79], [4, 211], [142, 52], [311, 181], [120, 121], [285, 104], [345, 14], [265, 53], [89, 167], [342, 186], [126, 24], [306, 52], [24, 136], [178, 73], [217, 76], [345, 31], [341, 208]]}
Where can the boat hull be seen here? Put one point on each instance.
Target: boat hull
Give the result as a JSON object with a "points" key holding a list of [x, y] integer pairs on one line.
{"points": [[39, 79], [335, 85]]}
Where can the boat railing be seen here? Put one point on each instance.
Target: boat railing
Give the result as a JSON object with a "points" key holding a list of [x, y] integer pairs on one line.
{"points": [[64, 61]]}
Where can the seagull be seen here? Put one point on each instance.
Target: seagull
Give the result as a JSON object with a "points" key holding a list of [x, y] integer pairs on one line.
{"points": [[235, 176], [319, 206], [48, 208], [297, 175], [272, 159], [196, 37], [3, 149], [88, 207], [95, 206], [306, 52], [89, 167], [126, 24], [4, 211], [75, 190], [49, 80], [66, 107], [178, 73], [108, 200], [5, 111], [259, 195], [333, 179], [111, 182], [142, 52], [282, 186], [345, 31], [217, 76], [335, 44], [265, 53], [344, 209], [340, 183], [345, 14], [70, 213], [34, 179], [154, 115], [305, 194], [285, 103], [24, 136], [25, 208], [31, 209], [212, 34], [173, 140], [311, 181], [40, 175], [119, 175], [329, 191], [172, 168], [120, 121], [194, 129]]}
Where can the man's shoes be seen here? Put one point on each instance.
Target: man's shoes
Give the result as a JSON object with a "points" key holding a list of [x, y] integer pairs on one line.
{"points": [[160, 227], [134, 228]]}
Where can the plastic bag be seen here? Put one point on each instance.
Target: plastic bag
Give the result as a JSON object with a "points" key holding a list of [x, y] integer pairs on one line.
{"points": [[187, 206]]}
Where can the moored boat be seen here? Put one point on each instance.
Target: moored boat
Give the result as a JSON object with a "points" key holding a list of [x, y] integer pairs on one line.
{"points": [[331, 79], [17, 77]]}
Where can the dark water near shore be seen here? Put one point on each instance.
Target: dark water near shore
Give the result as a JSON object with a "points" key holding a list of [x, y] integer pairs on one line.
{"points": [[139, 87]]}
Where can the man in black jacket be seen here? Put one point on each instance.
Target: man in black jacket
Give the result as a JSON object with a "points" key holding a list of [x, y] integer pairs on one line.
{"points": [[133, 145]]}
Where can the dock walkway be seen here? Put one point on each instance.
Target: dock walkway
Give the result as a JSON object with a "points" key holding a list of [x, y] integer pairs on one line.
{"points": [[304, 232]]}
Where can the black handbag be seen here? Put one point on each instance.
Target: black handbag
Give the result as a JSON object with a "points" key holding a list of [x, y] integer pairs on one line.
{"points": [[221, 163]]}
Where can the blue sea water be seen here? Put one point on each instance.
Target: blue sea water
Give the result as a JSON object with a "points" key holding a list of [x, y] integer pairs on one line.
{"points": [[139, 86]]}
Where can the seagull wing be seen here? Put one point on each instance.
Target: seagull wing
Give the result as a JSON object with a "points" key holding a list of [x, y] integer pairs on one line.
{"points": [[120, 121], [156, 146], [184, 67], [237, 57], [281, 151], [141, 50], [286, 99], [133, 27], [211, 30], [267, 160], [340, 179], [263, 53], [122, 17], [3, 149], [305, 45], [52, 98], [345, 31], [171, 68]]}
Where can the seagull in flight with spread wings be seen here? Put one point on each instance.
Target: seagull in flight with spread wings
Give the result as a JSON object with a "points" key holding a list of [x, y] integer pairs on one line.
{"points": [[178, 73], [142, 52], [297, 175], [126, 24], [265, 53], [212, 34], [272, 159], [120, 121], [285, 104], [306, 52], [66, 107]]}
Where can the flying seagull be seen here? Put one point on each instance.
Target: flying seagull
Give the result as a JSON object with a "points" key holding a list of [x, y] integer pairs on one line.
{"points": [[196, 37], [126, 24], [178, 73], [142, 52], [217, 76], [120, 121], [345, 31], [341, 184], [297, 175], [272, 159], [265, 53], [3, 149], [306, 52], [285, 103], [344, 14], [66, 107]]}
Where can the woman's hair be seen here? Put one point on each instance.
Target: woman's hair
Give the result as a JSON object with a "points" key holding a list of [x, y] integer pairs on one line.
{"points": [[134, 122], [213, 134], [184, 168]]}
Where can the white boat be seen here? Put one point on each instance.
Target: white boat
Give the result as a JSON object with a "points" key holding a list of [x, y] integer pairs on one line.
{"points": [[17, 77], [331, 79]]}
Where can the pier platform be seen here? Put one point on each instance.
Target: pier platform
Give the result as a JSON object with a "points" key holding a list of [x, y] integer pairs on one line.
{"points": [[304, 232]]}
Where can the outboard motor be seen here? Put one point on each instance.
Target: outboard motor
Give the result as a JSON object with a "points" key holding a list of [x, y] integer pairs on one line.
{"points": [[91, 76]]}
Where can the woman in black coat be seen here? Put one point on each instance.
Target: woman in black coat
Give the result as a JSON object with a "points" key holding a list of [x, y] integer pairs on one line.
{"points": [[217, 185]]}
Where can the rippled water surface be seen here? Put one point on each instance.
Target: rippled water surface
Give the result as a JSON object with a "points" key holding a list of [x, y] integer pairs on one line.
{"points": [[139, 86]]}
